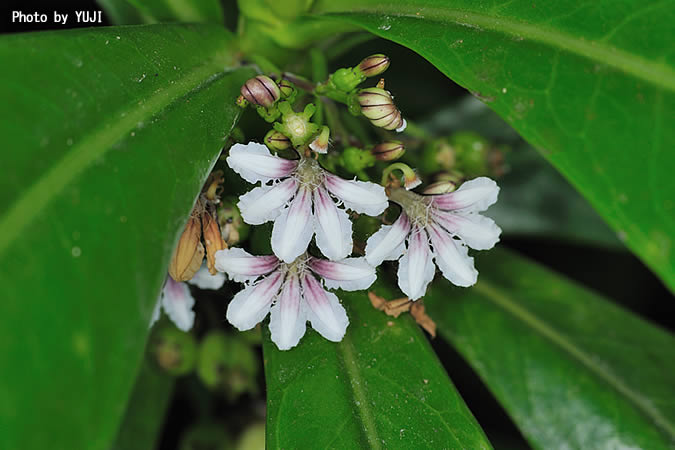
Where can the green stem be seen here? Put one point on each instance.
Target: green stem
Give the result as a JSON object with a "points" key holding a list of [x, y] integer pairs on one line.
{"points": [[408, 173]]}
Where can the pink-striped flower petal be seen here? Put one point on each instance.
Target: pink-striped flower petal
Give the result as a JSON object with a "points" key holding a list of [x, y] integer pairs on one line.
{"points": [[478, 232], [361, 196], [250, 306], [350, 274], [177, 303], [265, 203], [472, 196], [288, 317], [254, 163], [332, 226], [204, 280], [293, 229], [388, 243], [241, 266], [416, 268], [452, 258], [324, 311]]}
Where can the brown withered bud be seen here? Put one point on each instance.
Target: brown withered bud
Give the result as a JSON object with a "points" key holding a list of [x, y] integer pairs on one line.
{"points": [[213, 240], [189, 253], [261, 90], [388, 151], [378, 106], [275, 140], [374, 65]]}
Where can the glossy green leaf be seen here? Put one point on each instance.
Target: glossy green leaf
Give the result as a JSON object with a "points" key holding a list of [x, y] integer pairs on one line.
{"points": [[572, 369], [153, 11], [592, 85], [380, 387], [108, 136], [535, 200], [145, 412]]}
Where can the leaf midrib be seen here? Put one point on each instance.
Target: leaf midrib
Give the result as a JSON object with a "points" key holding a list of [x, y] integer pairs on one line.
{"points": [[511, 306], [90, 147], [655, 73]]}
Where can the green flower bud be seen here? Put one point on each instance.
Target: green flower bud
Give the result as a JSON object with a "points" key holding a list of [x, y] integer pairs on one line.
{"points": [[174, 350], [373, 65], [388, 151], [227, 363], [261, 90], [438, 155], [355, 159], [471, 150], [378, 106], [287, 89], [269, 114], [440, 187], [276, 141], [346, 80]]}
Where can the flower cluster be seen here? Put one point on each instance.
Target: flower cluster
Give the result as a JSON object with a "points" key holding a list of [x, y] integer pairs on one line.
{"points": [[301, 193]]}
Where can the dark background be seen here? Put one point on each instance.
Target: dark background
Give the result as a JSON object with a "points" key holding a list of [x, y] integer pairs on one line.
{"points": [[617, 274]]}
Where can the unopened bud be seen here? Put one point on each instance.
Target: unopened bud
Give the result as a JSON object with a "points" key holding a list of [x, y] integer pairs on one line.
{"points": [[346, 79], [261, 91], [320, 143], [227, 363], [275, 140], [286, 88], [388, 151], [354, 159], [232, 226], [189, 253], [378, 106], [213, 239], [374, 65], [175, 351], [440, 187]]}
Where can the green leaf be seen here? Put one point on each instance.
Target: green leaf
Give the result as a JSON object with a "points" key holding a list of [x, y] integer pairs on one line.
{"points": [[572, 369], [380, 387], [146, 409], [591, 85], [535, 200], [109, 134], [153, 11]]}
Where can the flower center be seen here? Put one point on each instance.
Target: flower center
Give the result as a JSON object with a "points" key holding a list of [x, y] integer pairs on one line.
{"points": [[297, 125], [297, 267], [416, 206], [309, 174]]}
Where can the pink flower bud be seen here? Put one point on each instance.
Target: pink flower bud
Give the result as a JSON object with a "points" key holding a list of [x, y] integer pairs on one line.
{"points": [[378, 106], [388, 151], [374, 65], [261, 91]]}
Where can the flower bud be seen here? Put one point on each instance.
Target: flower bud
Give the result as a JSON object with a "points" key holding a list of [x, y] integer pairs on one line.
{"points": [[286, 88], [213, 239], [440, 187], [320, 143], [227, 363], [388, 151], [346, 80], [261, 91], [374, 65], [276, 141], [189, 253], [471, 150], [232, 226], [174, 350], [378, 106], [354, 160]]}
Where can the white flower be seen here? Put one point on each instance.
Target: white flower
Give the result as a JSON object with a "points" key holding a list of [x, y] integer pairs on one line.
{"points": [[291, 293], [450, 221], [302, 201], [177, 301]]}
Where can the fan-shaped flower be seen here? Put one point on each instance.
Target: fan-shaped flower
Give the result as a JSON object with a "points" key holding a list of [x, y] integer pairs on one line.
{"points": [[177, 301], [291, 293], [450, 221], [303, 200]]}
